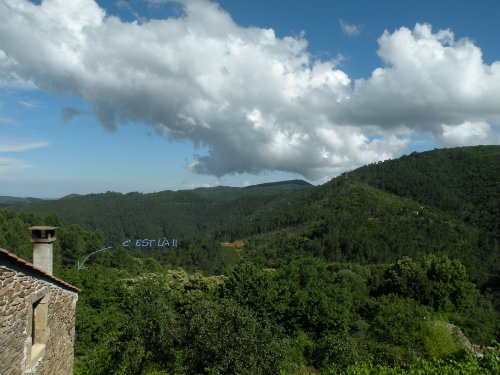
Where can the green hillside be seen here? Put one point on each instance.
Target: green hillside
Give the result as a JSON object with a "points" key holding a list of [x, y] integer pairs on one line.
{"points": [[463, 180], [226, 193], [178, 214], [368, 273], [358, 223], [441, 202], [7, 200], [348, 220], [304, 317]]}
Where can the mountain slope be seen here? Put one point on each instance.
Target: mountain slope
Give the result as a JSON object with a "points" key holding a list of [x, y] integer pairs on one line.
{"points": [[441, 201], [7, 200], [226, 193], [348, 220], [464, 180], [165, 214]]}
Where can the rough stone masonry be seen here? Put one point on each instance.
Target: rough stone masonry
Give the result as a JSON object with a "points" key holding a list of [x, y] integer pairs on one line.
{"points": [[37, 320]]}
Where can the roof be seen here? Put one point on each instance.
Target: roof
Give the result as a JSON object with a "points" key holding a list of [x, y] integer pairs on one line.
{"points": [[15, 259]]}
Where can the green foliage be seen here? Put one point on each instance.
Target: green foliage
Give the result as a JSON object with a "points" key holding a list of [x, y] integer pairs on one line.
{"points": [[440, 342], [488, 365], [443, 202], [195, 254], [343, 278], [399, 321], [14, 233], [461, 179], [437, 281], [315, 300], [336, 351], [144, 338], [301, 350], [6, 200], [99, 311], [443, 284], [169, 214], [258, 322], [344, 223], [258, 290], [152, 328], [226, 338], [227, 193], [183, 287]]}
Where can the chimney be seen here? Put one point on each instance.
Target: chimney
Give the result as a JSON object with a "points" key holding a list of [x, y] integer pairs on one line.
{"points": [[42, 238]]}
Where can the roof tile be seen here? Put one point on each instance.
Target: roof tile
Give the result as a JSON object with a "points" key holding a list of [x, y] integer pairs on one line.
{"points": [[35, 268]]}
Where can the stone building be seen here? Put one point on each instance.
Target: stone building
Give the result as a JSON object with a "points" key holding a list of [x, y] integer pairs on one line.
{"points": [[37, 312]]}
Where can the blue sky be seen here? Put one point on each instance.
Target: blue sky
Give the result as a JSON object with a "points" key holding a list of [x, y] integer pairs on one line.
{"points": [[151, 95]]}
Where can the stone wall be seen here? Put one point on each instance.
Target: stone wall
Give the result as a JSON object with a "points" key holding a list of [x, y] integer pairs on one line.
{"points": [[37, 323]]}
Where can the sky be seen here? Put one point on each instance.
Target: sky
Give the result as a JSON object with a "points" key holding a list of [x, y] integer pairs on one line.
{"points": [[152, 95]]}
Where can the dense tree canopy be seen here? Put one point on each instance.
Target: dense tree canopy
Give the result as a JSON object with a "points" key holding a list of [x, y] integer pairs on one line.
{"points": [[364, 274]]}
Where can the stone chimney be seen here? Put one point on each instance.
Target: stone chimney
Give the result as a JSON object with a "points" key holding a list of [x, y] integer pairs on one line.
{"points": [[42, 238]]}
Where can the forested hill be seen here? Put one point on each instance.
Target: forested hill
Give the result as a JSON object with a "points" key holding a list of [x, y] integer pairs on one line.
{"points": [[363, 274], [460, 183], [226, 193], [442, 201], [177, 214], [6, 200], [348, 220], [465, 180]]}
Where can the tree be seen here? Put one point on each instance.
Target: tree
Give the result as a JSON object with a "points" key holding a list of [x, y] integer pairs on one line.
{"points": [[228, 339]]}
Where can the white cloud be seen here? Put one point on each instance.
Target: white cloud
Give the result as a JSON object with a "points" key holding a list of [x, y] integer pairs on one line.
{"points": [[198, 185], [350, 29], [428, 79], [27, 103], [468, 134], [10, 164], [21, 147], [257, 102], [9, 78]]}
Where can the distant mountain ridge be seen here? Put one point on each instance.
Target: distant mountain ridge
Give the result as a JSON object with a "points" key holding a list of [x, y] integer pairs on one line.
{"points": [[17, 200], [167, 213], [280, 183], [442, 201], [227, 193], [377, 263]]}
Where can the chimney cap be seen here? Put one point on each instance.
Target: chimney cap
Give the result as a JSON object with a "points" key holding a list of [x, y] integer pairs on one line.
{"points": [[43, 233], [42, 227]]}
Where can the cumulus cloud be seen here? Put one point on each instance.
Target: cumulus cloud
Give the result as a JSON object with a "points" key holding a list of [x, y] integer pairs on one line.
{"points": [[468, 134], [350, 29], [256, 101], [68, 113], [8, 77], [428, 79], [198, 185]]}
